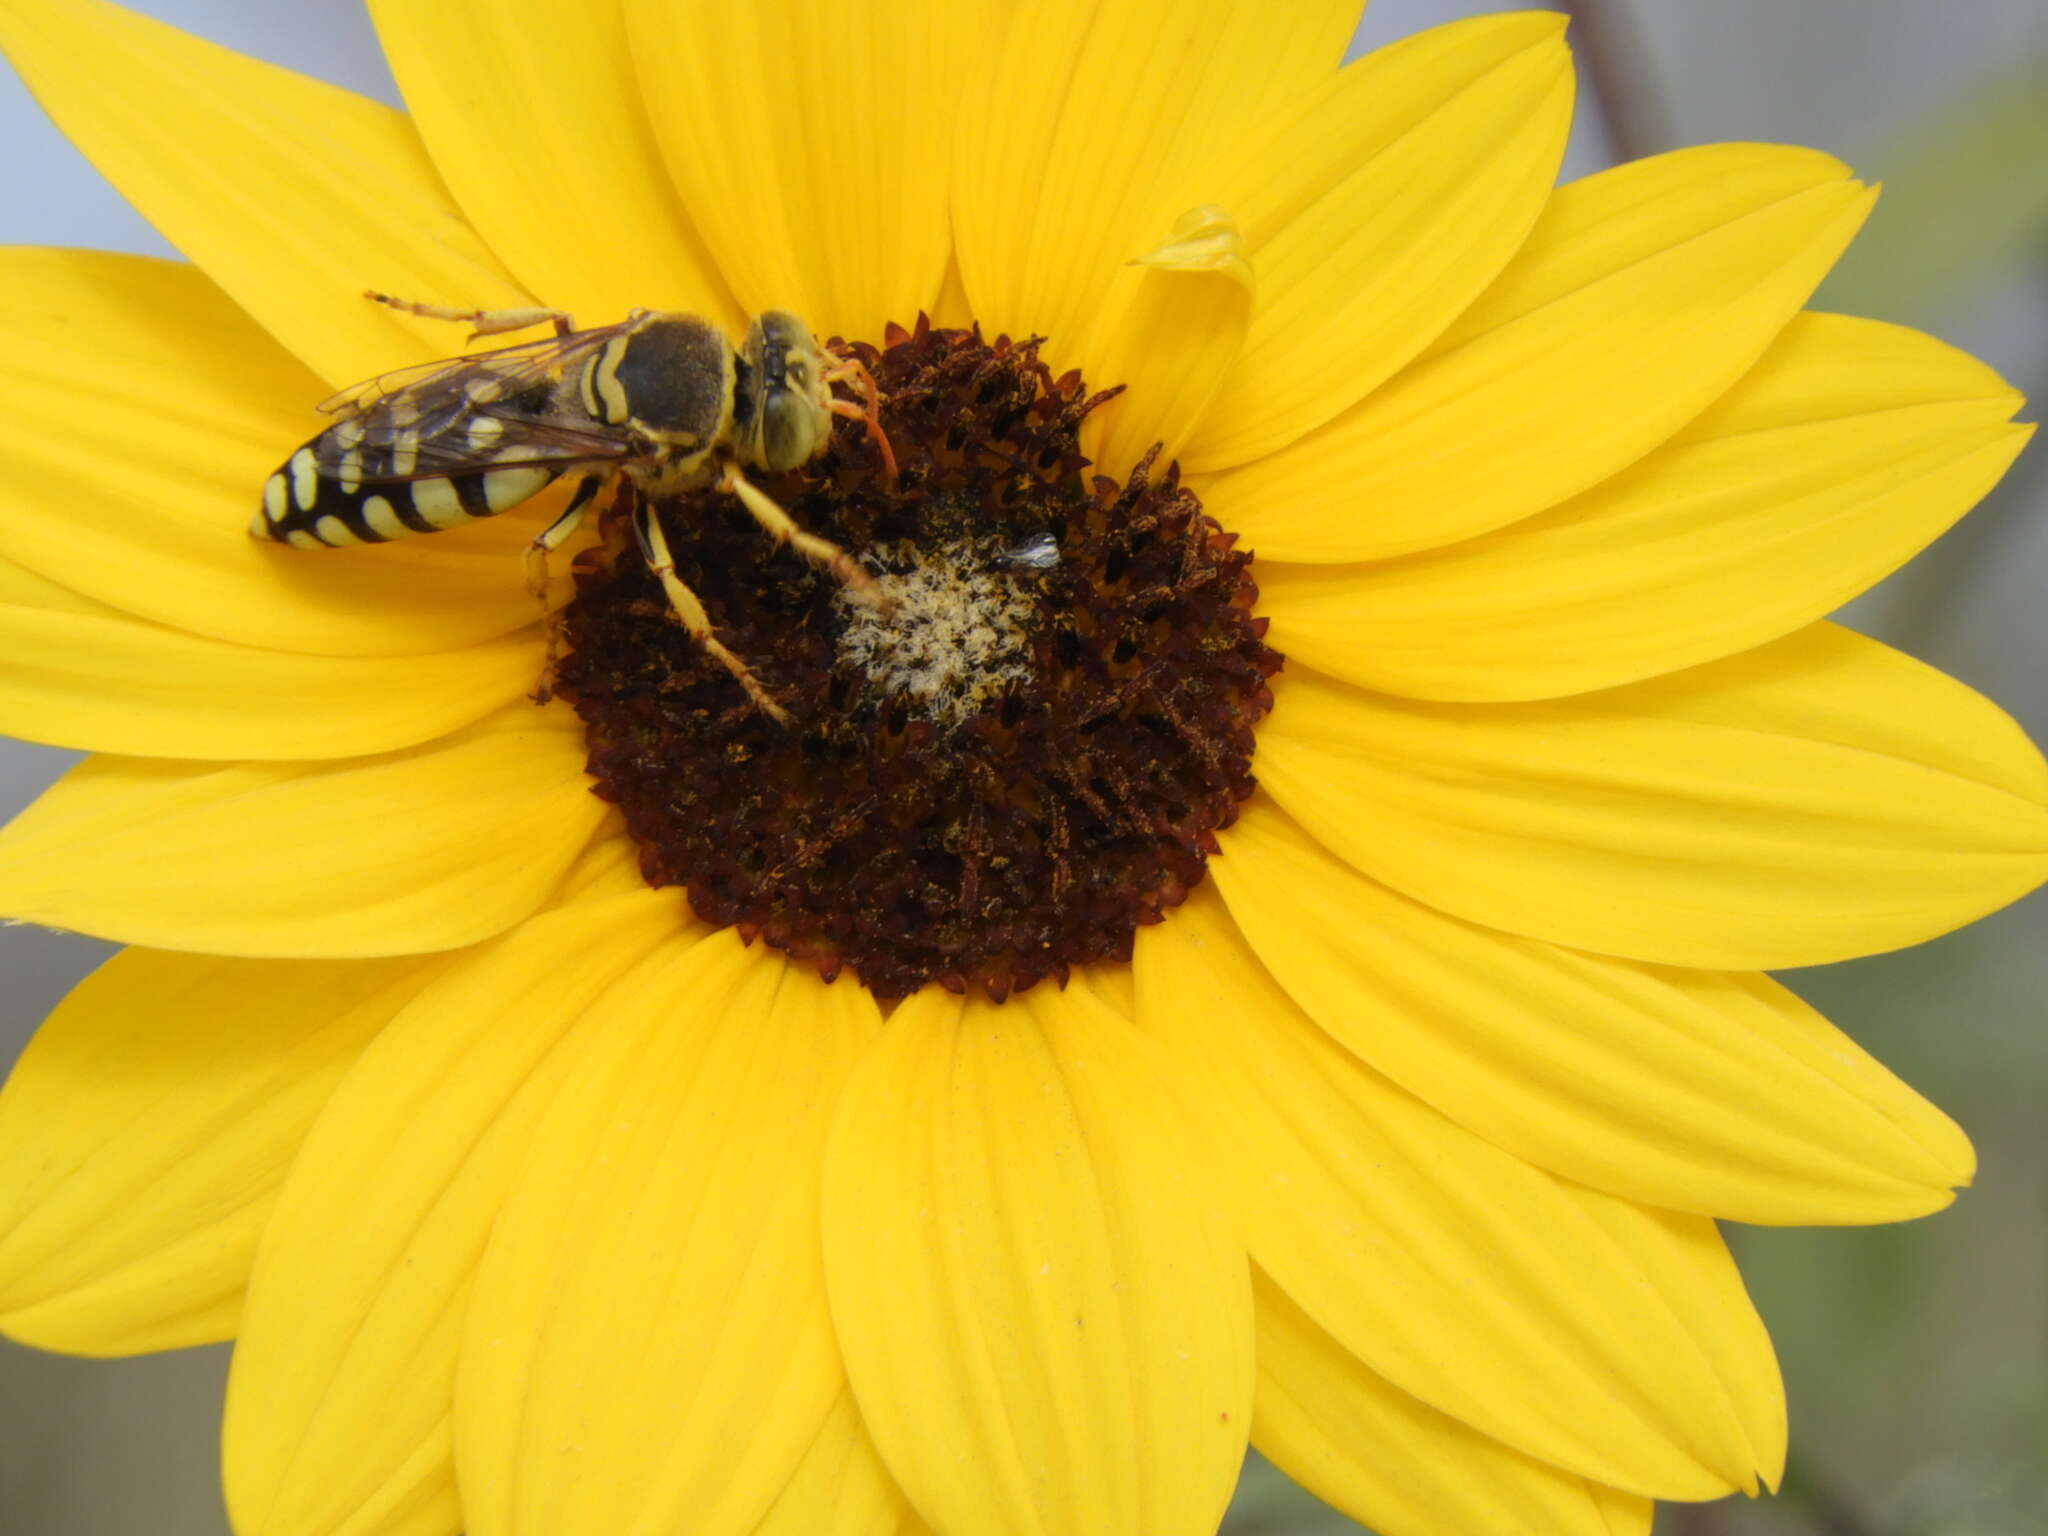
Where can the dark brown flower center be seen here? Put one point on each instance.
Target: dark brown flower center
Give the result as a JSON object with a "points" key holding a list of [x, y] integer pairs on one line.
{"points": [[988, 780]]}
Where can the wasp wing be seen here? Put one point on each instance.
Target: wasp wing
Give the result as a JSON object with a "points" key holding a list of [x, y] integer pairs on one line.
{"points": [[525, 361], [495, 410]]}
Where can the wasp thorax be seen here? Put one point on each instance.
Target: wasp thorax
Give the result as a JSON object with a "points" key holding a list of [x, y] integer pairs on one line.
{"points": [[1002, 754]]}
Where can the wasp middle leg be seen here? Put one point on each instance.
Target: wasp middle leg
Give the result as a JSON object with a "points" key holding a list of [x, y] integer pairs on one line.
{"points": [[687, 607], [545, 543]]}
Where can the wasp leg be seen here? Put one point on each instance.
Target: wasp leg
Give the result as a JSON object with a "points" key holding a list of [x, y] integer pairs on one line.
{"points": [[654, 547], [783, 529], [487, 322], [549, 539], [853, 370]]}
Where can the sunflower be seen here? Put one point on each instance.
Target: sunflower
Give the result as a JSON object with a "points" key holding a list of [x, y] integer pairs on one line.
{"points": [[521, 1136]]}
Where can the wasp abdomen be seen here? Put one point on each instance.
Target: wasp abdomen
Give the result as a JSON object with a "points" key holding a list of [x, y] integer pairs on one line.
{"points": [[354, 503]]}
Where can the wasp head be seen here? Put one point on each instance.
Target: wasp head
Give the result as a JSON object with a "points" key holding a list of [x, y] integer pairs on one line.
{"points": [[784, 412]]}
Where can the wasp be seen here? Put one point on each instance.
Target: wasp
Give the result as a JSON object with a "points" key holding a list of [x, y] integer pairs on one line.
{"points": [[657, 405]]}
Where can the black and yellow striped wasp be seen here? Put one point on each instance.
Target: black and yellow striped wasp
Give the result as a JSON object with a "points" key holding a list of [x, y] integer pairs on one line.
{"points": [[657, 405]]}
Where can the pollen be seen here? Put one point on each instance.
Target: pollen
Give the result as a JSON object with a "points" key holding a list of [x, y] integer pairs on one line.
{"points": [[951, 634], [995, 767]]}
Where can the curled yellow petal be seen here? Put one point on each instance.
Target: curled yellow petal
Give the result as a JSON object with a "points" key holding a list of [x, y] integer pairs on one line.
{"points": [[1170, 331]]}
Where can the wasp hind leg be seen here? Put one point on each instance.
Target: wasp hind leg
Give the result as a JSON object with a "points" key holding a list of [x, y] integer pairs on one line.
{"points": [[545, 543], [684, 603], [484, 322], [783, 529]]}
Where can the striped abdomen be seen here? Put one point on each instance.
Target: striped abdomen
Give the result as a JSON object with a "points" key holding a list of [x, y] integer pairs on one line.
{"points": [[312, 507]]}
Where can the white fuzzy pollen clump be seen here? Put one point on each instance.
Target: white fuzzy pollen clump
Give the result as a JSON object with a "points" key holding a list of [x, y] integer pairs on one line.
{"points": [[954, 631]]}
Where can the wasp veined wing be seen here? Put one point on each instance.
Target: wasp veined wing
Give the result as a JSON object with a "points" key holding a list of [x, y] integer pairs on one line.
{"points": [[442, 444], [524, 362]]}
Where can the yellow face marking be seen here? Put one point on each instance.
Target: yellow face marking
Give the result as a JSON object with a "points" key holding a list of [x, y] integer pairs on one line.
{"points": [[305, 478], [350, 471], [276, 496], [435, 501], [298, 538], [382, 518], [332, 530], [508, 487]]}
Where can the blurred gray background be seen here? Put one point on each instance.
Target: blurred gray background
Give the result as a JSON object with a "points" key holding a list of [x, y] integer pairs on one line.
{"points": [[1916, 1356]]}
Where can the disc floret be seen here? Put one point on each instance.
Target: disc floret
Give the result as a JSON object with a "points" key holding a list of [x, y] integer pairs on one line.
{"points": [[993, 777]]}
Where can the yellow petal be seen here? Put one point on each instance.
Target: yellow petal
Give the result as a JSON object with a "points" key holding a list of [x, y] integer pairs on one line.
{"points": [[810, 144], [841, 1487], [1377, 212], [1170, 330], [83, 675], [533, 116], [655, 1279], [292, 194], [951, 309], [1699, 1090], [140, 413], [146, 1129], [1359, 1443], [1626, 1514], [429, 848], [1848, 448], [1641, 295], [1819, 797], [1463, 1275], [343, 1379], [1046, 1331], [1088, 128]]}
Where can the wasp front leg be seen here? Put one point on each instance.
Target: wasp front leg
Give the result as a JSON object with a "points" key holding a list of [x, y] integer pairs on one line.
{"points": [[852, 370], [783, 529], [483, 322]]}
